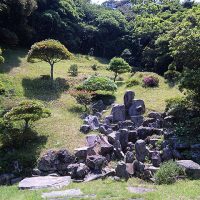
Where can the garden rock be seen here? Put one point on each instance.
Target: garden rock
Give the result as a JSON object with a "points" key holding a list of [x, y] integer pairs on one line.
{"points": [[137, 120], [129, 157], [85, 129], [140, 190], [137, 108], [41, 182], [93, 122], [156, 159], [98, 106], [192, 169], [167, 154], [140, 150], [118, 113], [5, 179], [128, 98], [121, 170], [96, 162], [123, 138]]}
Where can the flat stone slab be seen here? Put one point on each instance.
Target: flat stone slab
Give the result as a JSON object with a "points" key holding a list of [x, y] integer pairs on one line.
{"points": [[140, 190], [40, 182], [66, 194]]}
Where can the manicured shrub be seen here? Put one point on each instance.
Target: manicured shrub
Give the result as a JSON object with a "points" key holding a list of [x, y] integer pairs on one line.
{"points": [[150, 81], [82, 97], [95, 83], [172, 76], [2, 88], [27, 111], [168, 173], [73, 70], [132, 82]]}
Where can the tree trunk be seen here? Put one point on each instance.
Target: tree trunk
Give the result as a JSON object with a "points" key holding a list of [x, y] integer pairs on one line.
{"points": [[51, 73], [115, 77]]}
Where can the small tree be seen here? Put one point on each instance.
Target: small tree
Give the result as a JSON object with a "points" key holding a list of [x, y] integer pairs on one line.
{"points": [[50, 51], [27, 111], [118, 66]]}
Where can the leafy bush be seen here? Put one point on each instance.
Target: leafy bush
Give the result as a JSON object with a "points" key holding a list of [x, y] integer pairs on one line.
{"points": [[2, 88], [150, 81], [132, 82], [172, 76], [73, 70], [82, 97], [1, 57], [94, 67], [95, 83], [27, 111], [168, 173]]}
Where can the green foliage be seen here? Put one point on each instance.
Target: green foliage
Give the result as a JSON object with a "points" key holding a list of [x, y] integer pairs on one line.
{"points": [[50, 51], [27, 111], [1, 57], [73, 70], [2, 88], [118, 66], [172, 76], [168, 173], [82, 97], [95, 83], [132, 82]]}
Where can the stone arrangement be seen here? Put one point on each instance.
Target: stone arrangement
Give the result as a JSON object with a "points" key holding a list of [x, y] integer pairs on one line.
{"points": [[137, 145]]}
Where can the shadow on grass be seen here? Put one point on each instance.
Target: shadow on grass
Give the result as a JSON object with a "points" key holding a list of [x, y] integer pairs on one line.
{"points": [[77, 109], [42, 89], [120, 83], [12, 59], [23, 159]]}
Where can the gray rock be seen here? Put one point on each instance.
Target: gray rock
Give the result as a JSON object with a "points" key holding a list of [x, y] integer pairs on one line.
{"points": [[96, 162], [105, 130], [93, 122], [112, 137], [168, 121], [192, 169], [148, 122], [118, 113], [137, 108], [53, 161], [108, 120], [123, 138], [129, 157], [144, 132], [85, 129], [176, 154], [81, 153], [140, 150], [137, 120], [156, 159], [155, 115], [5, 179], [121, 170], [98, 106], [167, 154], [128, 98], [140, 190], [139, 166], [44, 182], [132, 136]]}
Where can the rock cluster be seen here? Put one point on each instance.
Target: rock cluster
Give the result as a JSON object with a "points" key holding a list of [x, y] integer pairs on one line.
{"points": [[139, 145]]}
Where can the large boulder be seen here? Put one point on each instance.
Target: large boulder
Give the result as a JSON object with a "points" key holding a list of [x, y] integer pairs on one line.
{"points": [[118, 113], [128, 98], [121, 170], [140, 150], [98, 106], [85, 128], [137, 108], [96, 162], [92, 121], [123, 138], [56, 161], [192, 169]]}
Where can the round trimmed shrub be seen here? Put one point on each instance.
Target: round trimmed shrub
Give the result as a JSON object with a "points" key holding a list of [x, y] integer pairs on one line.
{"points": [[168, 173], [172, 75], [132, 82], [150, 81], [95, 83]]}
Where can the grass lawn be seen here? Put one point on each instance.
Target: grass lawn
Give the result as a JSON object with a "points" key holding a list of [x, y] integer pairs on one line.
{"points": [[61, 130]]}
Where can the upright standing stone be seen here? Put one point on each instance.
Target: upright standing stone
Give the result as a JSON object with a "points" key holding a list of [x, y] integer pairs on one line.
{"points": [[141, 151], [123, 138], [128, 98], [118, 113]]}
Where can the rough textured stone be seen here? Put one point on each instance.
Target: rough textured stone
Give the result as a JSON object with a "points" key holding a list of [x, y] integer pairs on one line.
{"points": [[5, 179], [156, 159], [132, 136], [123, 138], [140, 190], [93, 122], [85, 129], [129, 157], [128, 98], [112, 137], [118, 113], [137, 120], [192, 169], [81, 153], [155, 115], [53, 161], [144, 132], [44, 182], [140, 150], [121, 170], [137, 108], [96, 162], [167, 154], [98, 106]]}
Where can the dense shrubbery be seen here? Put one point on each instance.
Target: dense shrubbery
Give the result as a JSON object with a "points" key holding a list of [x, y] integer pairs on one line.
{"points": [[168, 173], [73, 70], [95, 83], [172, 76], [132, 82], [150, 81], [1, 57], [82, 97]]}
